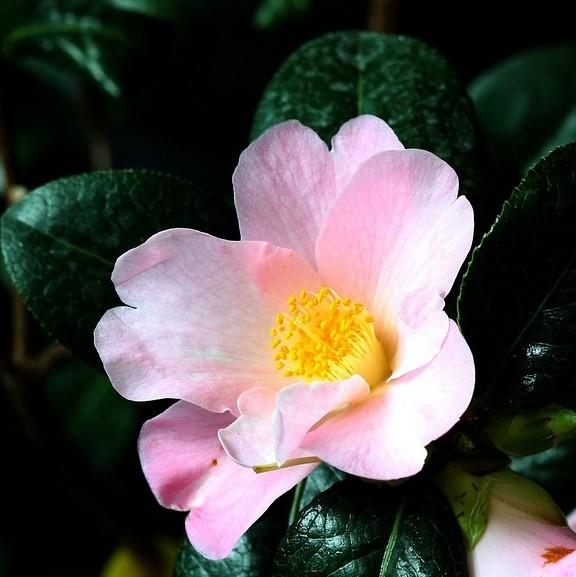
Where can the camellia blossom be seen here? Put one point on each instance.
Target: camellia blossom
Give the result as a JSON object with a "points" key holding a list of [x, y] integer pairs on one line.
{"points": [[526, 535], [319, 337]]}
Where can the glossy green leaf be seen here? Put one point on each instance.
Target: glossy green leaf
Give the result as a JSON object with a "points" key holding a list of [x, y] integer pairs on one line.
{"points": [[554, 471], [252, 556], [517, 304], [366, 530], [66, 39], [163, 9], [271, 13], [321, 479], [527, 104], [60, 243], [102, 424], [399, 79]]}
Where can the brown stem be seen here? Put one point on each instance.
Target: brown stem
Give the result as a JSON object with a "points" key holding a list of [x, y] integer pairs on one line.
{"points": [[382, 16], [5, 153]]}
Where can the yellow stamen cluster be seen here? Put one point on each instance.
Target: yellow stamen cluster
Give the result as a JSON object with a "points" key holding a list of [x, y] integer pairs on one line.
{"points": [[324, 337]]}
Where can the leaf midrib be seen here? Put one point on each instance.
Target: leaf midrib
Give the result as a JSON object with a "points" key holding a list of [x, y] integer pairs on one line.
{"points": [[393, 539], [530, 322], [60, 241]]}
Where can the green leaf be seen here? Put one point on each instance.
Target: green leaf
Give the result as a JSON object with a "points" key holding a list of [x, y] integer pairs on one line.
{"points": [[100, 422], [162, 9], [272, 13], [362, 529], [13, 13], [527, 104], [517, 303], [66, 39], [321, 479], [401, 80], [554, 471], [60, 243], [252, 556]]}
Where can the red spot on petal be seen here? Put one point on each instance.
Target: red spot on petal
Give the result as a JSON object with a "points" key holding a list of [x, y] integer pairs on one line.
{"points": [[555, 554], [215, 462]]}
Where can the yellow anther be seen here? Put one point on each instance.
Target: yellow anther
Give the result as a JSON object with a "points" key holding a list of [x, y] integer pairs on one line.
{"points": [[325, 337]]}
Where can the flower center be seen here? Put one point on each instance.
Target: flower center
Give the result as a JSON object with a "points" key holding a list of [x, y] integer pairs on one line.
{"points": [[323, 337]]}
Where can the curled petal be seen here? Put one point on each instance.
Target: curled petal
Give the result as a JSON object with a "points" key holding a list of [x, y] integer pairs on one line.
{"points": [[271, 426]]}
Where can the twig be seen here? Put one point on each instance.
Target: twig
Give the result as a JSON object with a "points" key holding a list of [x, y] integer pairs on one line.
{"points": [[382, 16]]}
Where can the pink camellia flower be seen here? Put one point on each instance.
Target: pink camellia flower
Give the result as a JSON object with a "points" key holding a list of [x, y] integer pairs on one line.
{"points": [[526, 535], [320, 336]]}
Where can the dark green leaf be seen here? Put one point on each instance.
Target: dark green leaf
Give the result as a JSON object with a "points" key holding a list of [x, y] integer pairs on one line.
{"points": [[60, 243], [517, 304], [163, 9], [99, 421], [271, 13], [399, 79], [252, 556], [527, 104], [83, 42], [13, 13], [554, 471], [364, 530], [322, 478]]}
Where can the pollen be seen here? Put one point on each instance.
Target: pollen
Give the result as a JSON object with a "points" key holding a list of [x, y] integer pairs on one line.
{"points": [[323, 337]]}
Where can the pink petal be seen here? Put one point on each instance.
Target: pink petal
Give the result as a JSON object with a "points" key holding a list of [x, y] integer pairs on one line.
{"points": [[357, 141], [518, 545], [572, 520], [187, 469], [385, 436], [204, 309], [248, 440], [302, 405], [272, 424], [403, 235], [283, 185]]}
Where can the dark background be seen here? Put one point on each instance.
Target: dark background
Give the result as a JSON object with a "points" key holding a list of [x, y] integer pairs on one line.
{"points": [[189, 91]]}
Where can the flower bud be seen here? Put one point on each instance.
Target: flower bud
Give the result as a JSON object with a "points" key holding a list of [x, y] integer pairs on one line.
{"points": [[531, 432], [526, 534]]}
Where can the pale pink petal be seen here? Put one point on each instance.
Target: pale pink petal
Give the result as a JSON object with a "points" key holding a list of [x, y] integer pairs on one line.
{"points": [[402, 234], [572, 520], [283, 186], [357, 141], [515, 545], [203, 312], [271, 425], [302, 405], [187, 469], [249, 440], [385, 436]]}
